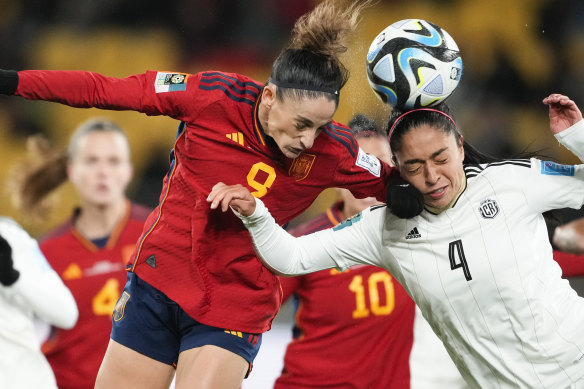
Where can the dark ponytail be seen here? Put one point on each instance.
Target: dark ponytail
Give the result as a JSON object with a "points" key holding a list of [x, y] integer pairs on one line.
{"points": [[310, 66]]}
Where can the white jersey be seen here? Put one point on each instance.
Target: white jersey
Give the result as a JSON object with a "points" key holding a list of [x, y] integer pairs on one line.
{"points": [[430, 365], [481, 272], [38, 293]]}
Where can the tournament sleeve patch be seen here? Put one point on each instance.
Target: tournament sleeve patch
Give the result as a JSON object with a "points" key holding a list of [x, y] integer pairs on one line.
{"points": [[368, 162], [350, 221], [555, 169], [170, 82]]}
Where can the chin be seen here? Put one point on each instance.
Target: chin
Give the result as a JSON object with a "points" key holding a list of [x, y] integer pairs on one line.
{"points": [[290, 154]]}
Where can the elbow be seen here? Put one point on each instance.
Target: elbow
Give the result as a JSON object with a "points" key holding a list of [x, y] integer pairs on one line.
{"points": [[277, 270]]}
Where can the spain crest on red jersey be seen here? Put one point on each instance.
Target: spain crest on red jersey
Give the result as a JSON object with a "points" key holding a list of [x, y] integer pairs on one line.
{"points": [[301, 166]]}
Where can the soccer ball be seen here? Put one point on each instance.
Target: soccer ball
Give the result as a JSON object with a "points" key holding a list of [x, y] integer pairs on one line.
{"points": [[413, 63]]}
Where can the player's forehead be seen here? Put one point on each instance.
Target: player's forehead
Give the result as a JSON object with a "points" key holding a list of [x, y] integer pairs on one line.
{"points": [[101, 143], [425, 142], [311, 110]]}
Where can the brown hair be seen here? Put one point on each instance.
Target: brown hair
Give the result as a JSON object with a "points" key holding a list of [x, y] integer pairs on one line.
{"points": [[310, 66], [45, 169]]}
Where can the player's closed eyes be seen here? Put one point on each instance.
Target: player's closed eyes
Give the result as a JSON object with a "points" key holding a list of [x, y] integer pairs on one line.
{"points": [[413, 169]]}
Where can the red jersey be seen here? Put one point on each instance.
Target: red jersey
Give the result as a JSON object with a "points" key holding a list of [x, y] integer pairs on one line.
{"points": [[96, 277], [203, 259], [353, 329], [572, 264]]}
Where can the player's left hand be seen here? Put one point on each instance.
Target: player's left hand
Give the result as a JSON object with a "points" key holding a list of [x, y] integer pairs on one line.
{"points": [[236, 196], [563, 112]]}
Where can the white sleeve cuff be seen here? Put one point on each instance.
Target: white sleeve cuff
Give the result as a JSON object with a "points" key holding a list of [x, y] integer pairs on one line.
{"points": [[573, 139]]}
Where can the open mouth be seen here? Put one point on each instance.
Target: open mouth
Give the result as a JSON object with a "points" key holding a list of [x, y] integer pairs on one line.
{"points": [[437, 194]]}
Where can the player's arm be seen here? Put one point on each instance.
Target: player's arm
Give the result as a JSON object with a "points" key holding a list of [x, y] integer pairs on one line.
{"points": [[338, 247], [37, 283], [146, 93]]}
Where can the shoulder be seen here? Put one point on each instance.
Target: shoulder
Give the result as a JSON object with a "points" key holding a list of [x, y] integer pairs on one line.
{"points": [[10, 229], [139, 212], [319, 222], [60, 231], [19, 239], [500, 167], [341, 137], [372, 217], [235, 87]]}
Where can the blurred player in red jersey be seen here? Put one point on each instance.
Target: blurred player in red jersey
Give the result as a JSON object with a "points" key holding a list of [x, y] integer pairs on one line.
{"points": [[90, 250], [566, 232], [197, 296], [343, 319]]}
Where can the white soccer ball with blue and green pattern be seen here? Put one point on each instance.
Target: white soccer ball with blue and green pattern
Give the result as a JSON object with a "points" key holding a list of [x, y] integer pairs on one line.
{"points": [[413, 63]]}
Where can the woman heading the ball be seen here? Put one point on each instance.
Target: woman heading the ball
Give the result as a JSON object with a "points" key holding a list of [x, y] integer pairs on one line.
{"points": [[197, 297], [477, 260]]}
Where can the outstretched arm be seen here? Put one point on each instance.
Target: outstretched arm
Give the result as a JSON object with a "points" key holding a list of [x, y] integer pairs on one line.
{"points": [[148, 93], [285, 254]]}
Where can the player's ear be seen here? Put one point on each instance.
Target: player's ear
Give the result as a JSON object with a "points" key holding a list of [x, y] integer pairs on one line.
{"points": [[269, 94], [461, 146]]}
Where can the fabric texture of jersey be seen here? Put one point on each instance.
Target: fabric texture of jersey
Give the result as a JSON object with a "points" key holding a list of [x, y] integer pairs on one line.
{"points": [[201, 258], [37, 293], [481, 272], [96, 277], [345, 319]]}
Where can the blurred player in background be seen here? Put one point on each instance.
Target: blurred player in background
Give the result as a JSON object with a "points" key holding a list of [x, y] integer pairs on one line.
{"points": [[194, 278], [344, 319], [89, 250], [566, 233], [29, 290]]}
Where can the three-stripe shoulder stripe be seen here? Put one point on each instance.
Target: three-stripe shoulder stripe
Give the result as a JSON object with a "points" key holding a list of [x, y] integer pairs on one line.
{"points": [[475, 170], [242, 92], [344, 137]]}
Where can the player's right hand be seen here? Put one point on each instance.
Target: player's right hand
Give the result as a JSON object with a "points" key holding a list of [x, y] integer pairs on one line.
{"points": [[8, 274], [563, 112], [236, 196]]}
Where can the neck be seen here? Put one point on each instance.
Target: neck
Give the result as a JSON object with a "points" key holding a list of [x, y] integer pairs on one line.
{"points": [[98, 221]]}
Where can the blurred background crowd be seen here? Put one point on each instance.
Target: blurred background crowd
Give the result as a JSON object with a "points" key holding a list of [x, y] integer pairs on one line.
{"points": [[514, 54]]}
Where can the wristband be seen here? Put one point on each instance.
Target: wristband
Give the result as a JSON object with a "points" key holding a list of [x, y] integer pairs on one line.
{"points": [[8, 82]]}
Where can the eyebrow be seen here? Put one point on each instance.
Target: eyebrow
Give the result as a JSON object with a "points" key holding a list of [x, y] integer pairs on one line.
{"points": [[417, 160], [304, 120], [310, 123]]}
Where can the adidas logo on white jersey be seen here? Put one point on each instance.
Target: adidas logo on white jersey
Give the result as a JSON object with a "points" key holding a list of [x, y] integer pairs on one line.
{"points": [[413, 234]]}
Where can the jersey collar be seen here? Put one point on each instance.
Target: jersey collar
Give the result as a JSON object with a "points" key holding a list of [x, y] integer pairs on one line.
{"points": [[114, 236]]}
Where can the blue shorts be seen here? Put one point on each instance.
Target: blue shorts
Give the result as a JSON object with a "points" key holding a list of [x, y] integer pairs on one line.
{"points": [[147, 321]]}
